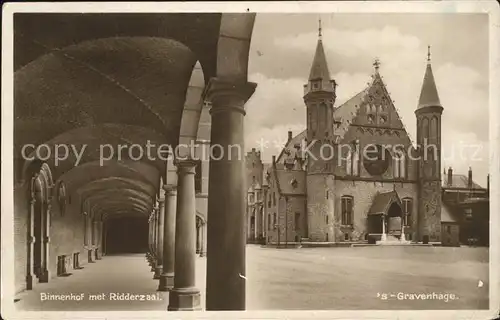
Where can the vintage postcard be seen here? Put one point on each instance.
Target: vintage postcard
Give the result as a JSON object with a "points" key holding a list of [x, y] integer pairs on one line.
{"points": [[267, 160]]}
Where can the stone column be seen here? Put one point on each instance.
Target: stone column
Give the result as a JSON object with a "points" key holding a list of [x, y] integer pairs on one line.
{"points": [[198, 236], [167, 275], [403, 237], [226, 204], [185, 296], [159, 245], [31, 245], [203, 235], [384, 236], [99, 240], [46, 246]]}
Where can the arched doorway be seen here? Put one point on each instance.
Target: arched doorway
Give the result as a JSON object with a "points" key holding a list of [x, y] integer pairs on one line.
{"points": [[126, 235], [200, 235], [394, 219], [38, 229]]}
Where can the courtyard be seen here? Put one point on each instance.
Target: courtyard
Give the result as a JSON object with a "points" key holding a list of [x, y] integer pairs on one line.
{"points": [[291, 279]]}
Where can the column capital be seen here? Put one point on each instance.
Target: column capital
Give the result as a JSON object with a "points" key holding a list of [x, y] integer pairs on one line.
{"points": [[227, 95], [170, 189], [186, 166], [161, 201]]}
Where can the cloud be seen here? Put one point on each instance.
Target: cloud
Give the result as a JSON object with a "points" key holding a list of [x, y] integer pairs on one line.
{"points": [[277, 104]]}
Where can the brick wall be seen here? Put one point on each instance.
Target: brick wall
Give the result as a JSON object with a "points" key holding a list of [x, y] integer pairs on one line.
{"points": [[363, 194], [320, 206], [21, 210], [450, 234], [66, 236]]}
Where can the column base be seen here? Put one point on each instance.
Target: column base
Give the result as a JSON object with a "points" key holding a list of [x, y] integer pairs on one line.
{"points": [[184, 299], [158, 270], [29, 282], [166, 282], [44, 276], [203, 254]]}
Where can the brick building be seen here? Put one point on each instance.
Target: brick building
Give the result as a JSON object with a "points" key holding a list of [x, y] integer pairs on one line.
{"points": [[354, 175]]}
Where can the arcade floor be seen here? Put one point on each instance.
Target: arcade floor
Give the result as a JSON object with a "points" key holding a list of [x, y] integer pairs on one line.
{"points": [[307, 278]]}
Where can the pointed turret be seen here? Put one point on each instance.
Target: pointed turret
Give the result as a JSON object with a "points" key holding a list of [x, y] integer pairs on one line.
{"points": [[319, 76], [429, 96], [319, 68], [428, 114]]}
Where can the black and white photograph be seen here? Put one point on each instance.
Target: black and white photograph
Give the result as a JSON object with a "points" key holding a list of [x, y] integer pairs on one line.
{"points": [[323, 160]]}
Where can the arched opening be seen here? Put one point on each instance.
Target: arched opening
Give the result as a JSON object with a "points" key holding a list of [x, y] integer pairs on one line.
{"points": [[126, 235], [200, 235], [394, 219]]}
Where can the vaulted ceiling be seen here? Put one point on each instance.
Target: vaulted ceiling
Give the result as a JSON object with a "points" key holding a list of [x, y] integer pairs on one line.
{"points": [[94, 80]]}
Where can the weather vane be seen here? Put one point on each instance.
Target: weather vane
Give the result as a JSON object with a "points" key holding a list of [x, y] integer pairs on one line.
{"points": [[376, 64], [428, 53]]}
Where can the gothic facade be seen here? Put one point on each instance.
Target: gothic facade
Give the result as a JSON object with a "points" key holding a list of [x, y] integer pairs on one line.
{"points": [[353, 175]]}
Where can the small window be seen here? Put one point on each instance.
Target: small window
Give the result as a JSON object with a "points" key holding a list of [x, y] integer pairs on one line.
{"points": [[346, 237], [346, 210], [383, 119], [371, 119], [326, 219], [297, 221], [407, 210], [448, 229]]}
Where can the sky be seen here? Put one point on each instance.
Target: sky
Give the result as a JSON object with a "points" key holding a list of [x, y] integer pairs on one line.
{"points": [[282, 51]]}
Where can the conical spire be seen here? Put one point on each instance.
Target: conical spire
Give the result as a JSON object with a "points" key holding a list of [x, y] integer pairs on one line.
{"points": [[429, 94], [319, 68]]}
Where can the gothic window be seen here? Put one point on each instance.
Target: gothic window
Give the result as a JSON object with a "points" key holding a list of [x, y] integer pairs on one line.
{"points": [[383, 119], [315, 85], [274, 198], [399, 166], [371, 119], [269, 221], [355, 159], [326, 219], [425, 128], [407, 206], [352, 161], [297, 221], [274, 219], [376, 160], [346, 210], [346, 237]]}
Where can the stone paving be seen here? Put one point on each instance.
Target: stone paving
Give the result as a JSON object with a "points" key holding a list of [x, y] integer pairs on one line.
{"points": [[306, 278]]}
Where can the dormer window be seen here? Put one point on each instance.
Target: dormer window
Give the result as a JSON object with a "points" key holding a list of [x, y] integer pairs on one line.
{"points": [[383, 119], [371, 119], [294, 183]]}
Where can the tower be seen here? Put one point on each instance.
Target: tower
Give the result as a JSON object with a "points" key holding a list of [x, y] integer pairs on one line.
{"points": [[319, 98], [428, 116]]}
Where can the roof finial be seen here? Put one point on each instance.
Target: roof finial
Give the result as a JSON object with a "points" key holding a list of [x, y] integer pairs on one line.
{"points": [[376, 64], [319, 28], [428, 53]]}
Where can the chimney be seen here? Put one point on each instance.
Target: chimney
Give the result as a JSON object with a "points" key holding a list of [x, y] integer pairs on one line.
{"points": [[450, 176], [290, 135], [469, 181], [274, 159]]}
